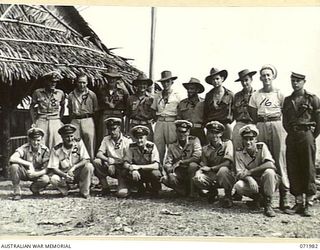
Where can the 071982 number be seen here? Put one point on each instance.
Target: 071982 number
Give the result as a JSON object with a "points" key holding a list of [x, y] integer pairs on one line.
{"points": [[309, 246]]}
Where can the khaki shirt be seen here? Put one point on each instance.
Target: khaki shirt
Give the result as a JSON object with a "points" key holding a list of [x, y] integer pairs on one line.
{"points": [[166, 109], [117, 98], [192, 151], [139, 108], [240, 106], [39, 159], [48, 103], [115, 150], [148, 155], [63, 158], [85, 103], [245, 162], [212, 156], [191, 110]]}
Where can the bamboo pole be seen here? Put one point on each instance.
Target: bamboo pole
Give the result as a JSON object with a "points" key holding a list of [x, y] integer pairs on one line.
{"points": [[152, 42], [52, 43]]}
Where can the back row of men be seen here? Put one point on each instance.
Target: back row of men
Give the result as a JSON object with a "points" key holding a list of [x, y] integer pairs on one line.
{"points": [[188, 168]]}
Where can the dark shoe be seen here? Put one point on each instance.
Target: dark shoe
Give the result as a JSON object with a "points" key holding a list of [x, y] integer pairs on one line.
{"points": [[237, 197], [227, 202], [254, 205], [212, 195], [105, 191], [268, 211], [284, 201], [298, 208], [16, 197], [307, 212], [85, 196]]}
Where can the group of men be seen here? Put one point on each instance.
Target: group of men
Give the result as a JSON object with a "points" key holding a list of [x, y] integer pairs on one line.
{"points": [[191, 148]]}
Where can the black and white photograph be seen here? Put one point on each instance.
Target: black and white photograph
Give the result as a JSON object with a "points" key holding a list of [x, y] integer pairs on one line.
{"points": [[160, 121]]}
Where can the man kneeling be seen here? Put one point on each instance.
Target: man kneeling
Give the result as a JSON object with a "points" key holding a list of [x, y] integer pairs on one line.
{"points": [[255, 170], [142, 161], [29, 163], [70, 163]]}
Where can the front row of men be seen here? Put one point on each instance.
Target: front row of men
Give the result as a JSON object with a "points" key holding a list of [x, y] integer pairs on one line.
{"points": [[189, 169]]}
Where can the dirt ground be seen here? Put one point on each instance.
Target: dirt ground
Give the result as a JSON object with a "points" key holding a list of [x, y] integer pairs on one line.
{"points": [[167, 215]]}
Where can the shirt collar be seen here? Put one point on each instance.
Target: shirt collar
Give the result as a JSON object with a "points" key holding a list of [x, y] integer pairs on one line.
{"points": [[30, 149]]}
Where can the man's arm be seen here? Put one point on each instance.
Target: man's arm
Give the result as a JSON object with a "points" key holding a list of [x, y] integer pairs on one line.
{"points": [[225, 163], [196, 154], [253, 112], [16, 158]]}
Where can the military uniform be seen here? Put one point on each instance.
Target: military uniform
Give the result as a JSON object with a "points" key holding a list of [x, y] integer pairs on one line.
{"points": [[48, 113], [299, 118], [115, 152], [64, 159], [39, 160], [144, 156], [82, 107], [179, 176], [241, 115], [166, 112]]}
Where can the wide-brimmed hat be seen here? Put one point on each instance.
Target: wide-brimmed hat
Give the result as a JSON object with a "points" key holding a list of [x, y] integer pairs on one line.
{"points": [[142, 78], [54, 75], [195, 82], [272, 68], [215, 71], [244, 73], [166, 75], [111, 72]]}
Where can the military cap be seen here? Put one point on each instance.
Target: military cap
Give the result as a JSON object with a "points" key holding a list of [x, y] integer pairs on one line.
{"points": [[215, 126], [249, 130], [52, 75], [298, 76], [67, 129], [139, 130], [35, 132], [183, 125], [113, 122]]}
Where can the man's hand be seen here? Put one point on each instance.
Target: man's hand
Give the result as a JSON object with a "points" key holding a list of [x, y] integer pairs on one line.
{"points": [[112, 170], [252, 184], [135, 175], [31, 173], [175, 165], [205, 169]]}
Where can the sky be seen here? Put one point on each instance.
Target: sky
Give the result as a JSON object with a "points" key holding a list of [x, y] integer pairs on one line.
{"points": [[191, 40]]}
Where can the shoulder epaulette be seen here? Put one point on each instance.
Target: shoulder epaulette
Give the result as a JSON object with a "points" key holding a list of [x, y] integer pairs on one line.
{"points": [[133, 145], [259, 145], [56, 147], [77, 139], [150, 145], [191, 137]]}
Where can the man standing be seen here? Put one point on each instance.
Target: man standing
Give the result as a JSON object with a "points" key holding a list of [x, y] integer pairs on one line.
{"points": [[29, 163], [82, 104], [182, 159], [240, 105], [216, 165], [139, 111], [70, 163], [301, 120], [191, 108], [47, 108], [265, 109], [165, 105], [218, 101], [110, 157], [256, 172], [142, 161], [112, 98]]}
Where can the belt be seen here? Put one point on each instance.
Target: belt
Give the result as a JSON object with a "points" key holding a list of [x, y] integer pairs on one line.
{"points": [[140, 122], [197, 125], [166, 118], [83, 116], [113, 112], [49, 117], [268, 119], [245, 121], [301, 127]]}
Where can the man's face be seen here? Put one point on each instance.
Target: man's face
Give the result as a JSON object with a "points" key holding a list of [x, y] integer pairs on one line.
{"points": [[35, 142], [114, 132], [182, 135], [112, 81], [68, 139], [213, 137], [266, 76], [51, 84], [249, 142], [82, 83], [141, 140], [217, 81], [142, 87], [192, 91], [297, 84], [246, 82], [167, 84]]}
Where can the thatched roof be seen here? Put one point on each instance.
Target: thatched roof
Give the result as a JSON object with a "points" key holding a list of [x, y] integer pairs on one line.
{"points": [[39, 38]]}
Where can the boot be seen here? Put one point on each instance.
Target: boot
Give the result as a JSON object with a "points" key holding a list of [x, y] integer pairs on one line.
{"points": [[307, 210], [212, 195], [227, 200], [284, 201], [268, 211], [256, 203]]}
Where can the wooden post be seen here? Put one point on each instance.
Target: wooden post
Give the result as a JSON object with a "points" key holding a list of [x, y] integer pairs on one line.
{"points": [[152, 42]]}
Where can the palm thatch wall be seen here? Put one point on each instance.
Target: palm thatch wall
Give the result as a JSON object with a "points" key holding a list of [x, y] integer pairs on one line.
{"points": [[35, 39]]}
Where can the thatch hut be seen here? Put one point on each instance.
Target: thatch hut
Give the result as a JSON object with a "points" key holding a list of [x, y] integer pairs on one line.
{"points": [[39, 38]]}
